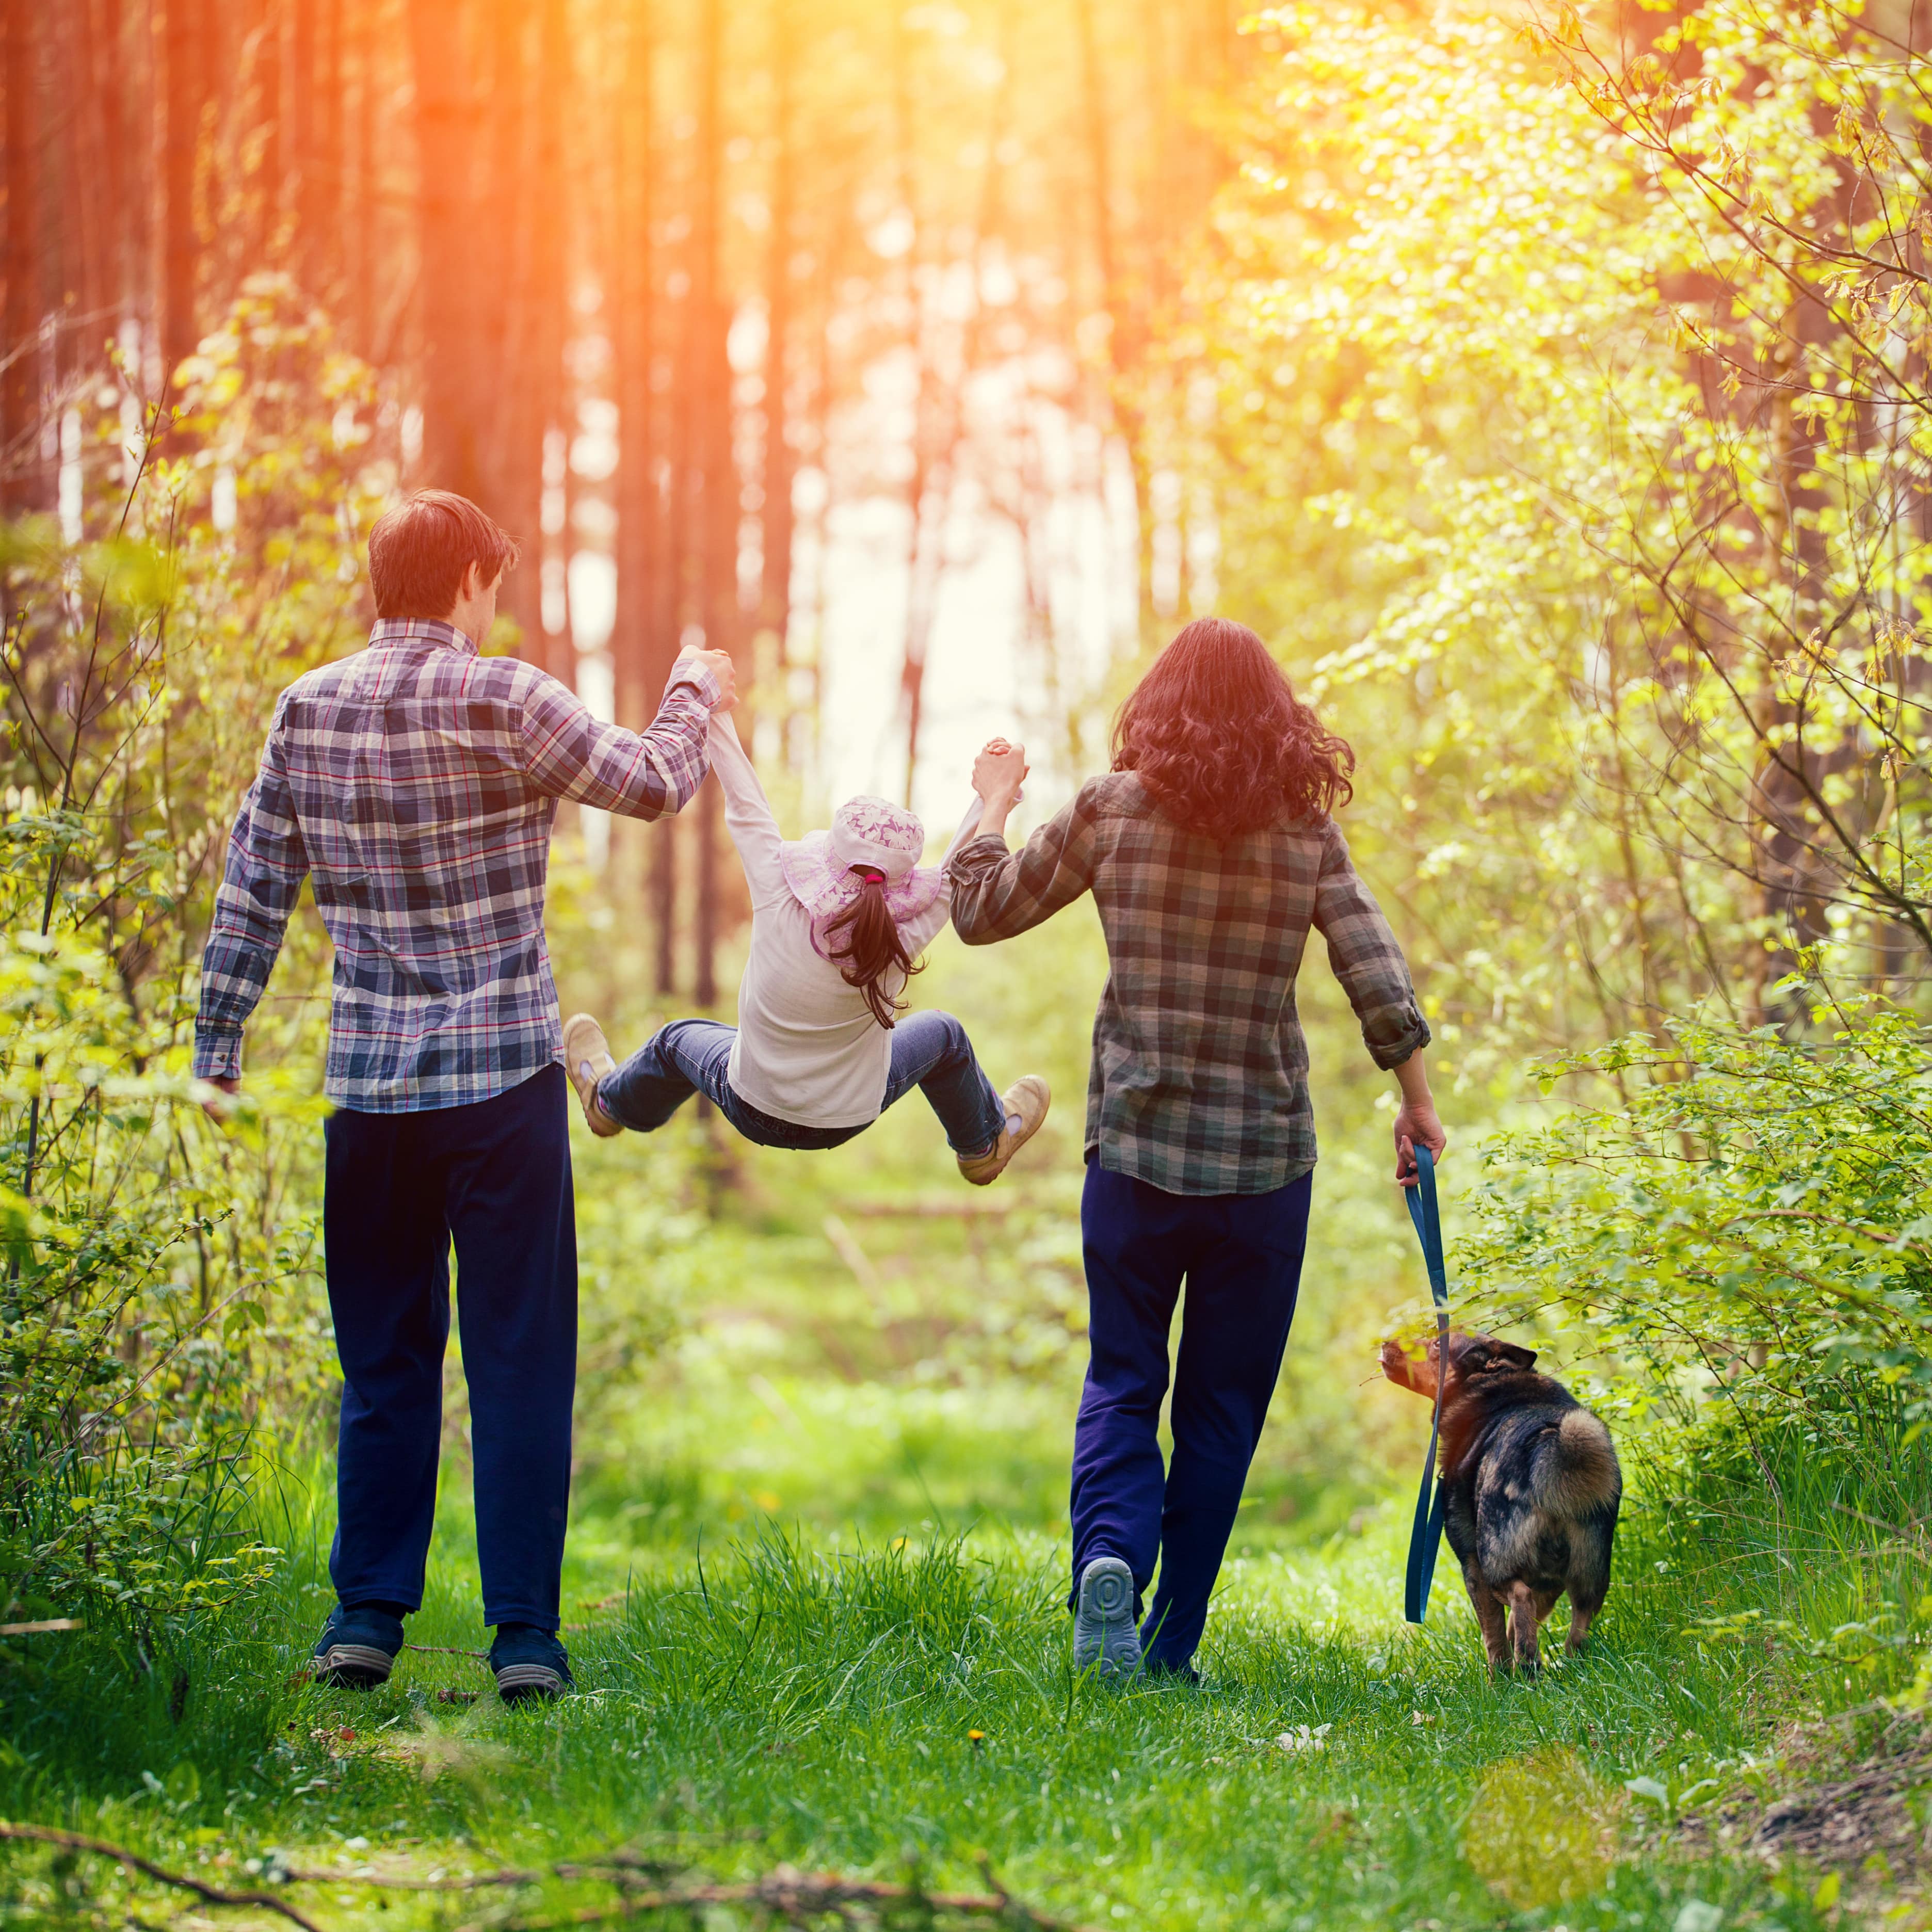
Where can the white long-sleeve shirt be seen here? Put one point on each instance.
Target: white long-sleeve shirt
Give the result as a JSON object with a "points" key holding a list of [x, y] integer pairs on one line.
{"points": [[809, 1050]]}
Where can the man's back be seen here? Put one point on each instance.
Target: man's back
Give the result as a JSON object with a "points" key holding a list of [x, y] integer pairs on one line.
{"points": [[417, 783]]}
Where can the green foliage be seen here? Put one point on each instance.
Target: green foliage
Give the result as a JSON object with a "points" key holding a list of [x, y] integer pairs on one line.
{"points": [[1563, 441], [159, 1272], [1748, 1231]]}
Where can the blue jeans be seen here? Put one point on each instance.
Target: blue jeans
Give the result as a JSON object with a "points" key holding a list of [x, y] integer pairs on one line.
{"points": [[1241, 1256], [930, 1051], [493, 1176]]}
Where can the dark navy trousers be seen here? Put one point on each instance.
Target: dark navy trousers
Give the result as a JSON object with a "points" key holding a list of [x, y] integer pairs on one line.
{"points": [[1240, 1256], [493, 1177]]}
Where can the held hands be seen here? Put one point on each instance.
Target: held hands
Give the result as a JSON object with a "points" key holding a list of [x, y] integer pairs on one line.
{"points": [[719, 664], [999, 772]]}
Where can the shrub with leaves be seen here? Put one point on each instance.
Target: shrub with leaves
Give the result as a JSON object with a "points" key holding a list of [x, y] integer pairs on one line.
{"points": [[1752, 1228], [159, 1271]]}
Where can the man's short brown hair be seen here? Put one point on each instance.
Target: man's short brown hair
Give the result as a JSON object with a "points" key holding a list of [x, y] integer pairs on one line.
{"points": [[419, 550]]}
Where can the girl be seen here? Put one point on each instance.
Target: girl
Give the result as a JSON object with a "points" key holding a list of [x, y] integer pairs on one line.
{"points": [[820, 1051], [1211, 853]]}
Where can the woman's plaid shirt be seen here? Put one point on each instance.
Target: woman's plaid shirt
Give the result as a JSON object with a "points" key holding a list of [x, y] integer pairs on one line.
{"points": [[1200, 1073], [416, 783]]}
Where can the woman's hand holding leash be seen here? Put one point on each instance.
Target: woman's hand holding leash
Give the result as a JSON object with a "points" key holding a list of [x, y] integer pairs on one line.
{"points": [[1415, 1120]]}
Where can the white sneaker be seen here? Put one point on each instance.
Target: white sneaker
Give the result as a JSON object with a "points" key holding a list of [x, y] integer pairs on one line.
{"points": [[1104, 1631], [1027, 1100], [587, 1059]]}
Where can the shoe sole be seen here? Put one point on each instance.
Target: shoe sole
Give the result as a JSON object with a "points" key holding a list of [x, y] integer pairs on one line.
{"points": [[984, 1176], [351, 1666], [516, 1681], [585, 1088], [1107, 1594]]}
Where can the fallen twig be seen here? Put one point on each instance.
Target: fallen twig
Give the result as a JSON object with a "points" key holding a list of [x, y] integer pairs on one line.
{"points": [[791, 1893], [34, 1628], [1915, 1527], [212, 1895], [783, 1891], [618, 1870], [386, 1882], [446, 1650]]}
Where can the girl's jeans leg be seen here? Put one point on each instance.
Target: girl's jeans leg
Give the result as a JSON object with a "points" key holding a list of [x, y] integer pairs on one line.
{"points": [[686, 1058], [930, 1051]]}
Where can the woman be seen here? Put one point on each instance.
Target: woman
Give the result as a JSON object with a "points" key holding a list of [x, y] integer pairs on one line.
{"points": [[1211, 852]]}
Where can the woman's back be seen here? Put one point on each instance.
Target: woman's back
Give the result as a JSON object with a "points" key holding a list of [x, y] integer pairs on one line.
{"points": [[1199, 1082]]}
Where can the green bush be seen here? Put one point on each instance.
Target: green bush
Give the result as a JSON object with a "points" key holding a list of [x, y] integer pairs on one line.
{"points": [[158, 1302], [1744, 1237]]}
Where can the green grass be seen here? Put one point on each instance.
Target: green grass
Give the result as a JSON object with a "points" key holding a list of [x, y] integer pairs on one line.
{"points": [[785, 1699]]}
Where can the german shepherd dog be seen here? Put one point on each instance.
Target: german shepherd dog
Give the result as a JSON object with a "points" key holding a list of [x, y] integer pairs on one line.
{"points": [[1532, 1487]]}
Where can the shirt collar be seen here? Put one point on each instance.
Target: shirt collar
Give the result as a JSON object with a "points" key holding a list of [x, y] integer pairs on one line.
{"points": [[427, 633]]}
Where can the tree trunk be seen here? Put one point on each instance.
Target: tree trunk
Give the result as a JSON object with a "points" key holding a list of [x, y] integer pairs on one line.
{"points": [[717, 500], [361, 244], [686, 432], [263, 63], [325, 219], [549, 296], [510, 417], [635, 642], [181, 48], [1126, 334], [112, 290], [304, 182], [82, 214], [452, 350], [19, 257], [775, 600]]}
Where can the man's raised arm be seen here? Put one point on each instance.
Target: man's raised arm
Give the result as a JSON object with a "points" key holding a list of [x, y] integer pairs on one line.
{"points": [[647, 774]]}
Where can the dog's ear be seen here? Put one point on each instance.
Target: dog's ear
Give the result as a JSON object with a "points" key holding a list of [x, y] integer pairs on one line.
{"points": [[1507, 1357]]}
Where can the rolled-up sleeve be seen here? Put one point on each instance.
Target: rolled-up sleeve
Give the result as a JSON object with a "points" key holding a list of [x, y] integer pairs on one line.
{"points": [[569, 753], [260, 884], [1364, 951], [997, 894]]}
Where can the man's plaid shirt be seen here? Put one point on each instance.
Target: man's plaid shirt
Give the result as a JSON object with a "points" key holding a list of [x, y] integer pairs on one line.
{"points": [[1200, 1073], [417, 783]]}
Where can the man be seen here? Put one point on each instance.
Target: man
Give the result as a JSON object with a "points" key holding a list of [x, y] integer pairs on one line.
{"points": [[415, 783]]}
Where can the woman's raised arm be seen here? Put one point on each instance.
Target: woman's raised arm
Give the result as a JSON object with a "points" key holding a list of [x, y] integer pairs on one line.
{"points": [[996, 893]]}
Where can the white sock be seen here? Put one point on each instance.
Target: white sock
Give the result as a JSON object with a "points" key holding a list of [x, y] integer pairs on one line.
{"points": [[1014, 1123]]}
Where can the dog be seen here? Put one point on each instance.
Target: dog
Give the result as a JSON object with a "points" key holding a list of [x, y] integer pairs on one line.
{"points": [[1531, 1486]]}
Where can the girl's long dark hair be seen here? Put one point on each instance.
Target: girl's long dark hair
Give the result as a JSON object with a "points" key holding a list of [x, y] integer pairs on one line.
{"points": [[1217, 734], [863, 942]]}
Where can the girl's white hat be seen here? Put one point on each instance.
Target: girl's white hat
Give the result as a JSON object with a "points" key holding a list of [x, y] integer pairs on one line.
{"points": [[874, 835]]}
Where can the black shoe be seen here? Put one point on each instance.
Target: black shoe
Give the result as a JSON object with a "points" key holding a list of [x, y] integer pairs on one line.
{"points": [[357, 1648], [528, 1663]]}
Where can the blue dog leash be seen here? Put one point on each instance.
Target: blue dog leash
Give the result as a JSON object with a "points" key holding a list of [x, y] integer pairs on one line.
{"points": [[1426, 1538]]}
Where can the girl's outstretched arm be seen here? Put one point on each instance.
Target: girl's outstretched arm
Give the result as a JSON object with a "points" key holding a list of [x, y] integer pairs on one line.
{"points": [[748, 814], [918, 933]]}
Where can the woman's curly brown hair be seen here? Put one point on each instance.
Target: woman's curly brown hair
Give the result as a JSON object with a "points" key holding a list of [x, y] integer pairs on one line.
{"points": [[1217, 734]]}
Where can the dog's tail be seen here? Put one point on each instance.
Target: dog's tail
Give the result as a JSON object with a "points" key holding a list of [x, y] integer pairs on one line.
{"points": [[1576, 1473]]}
